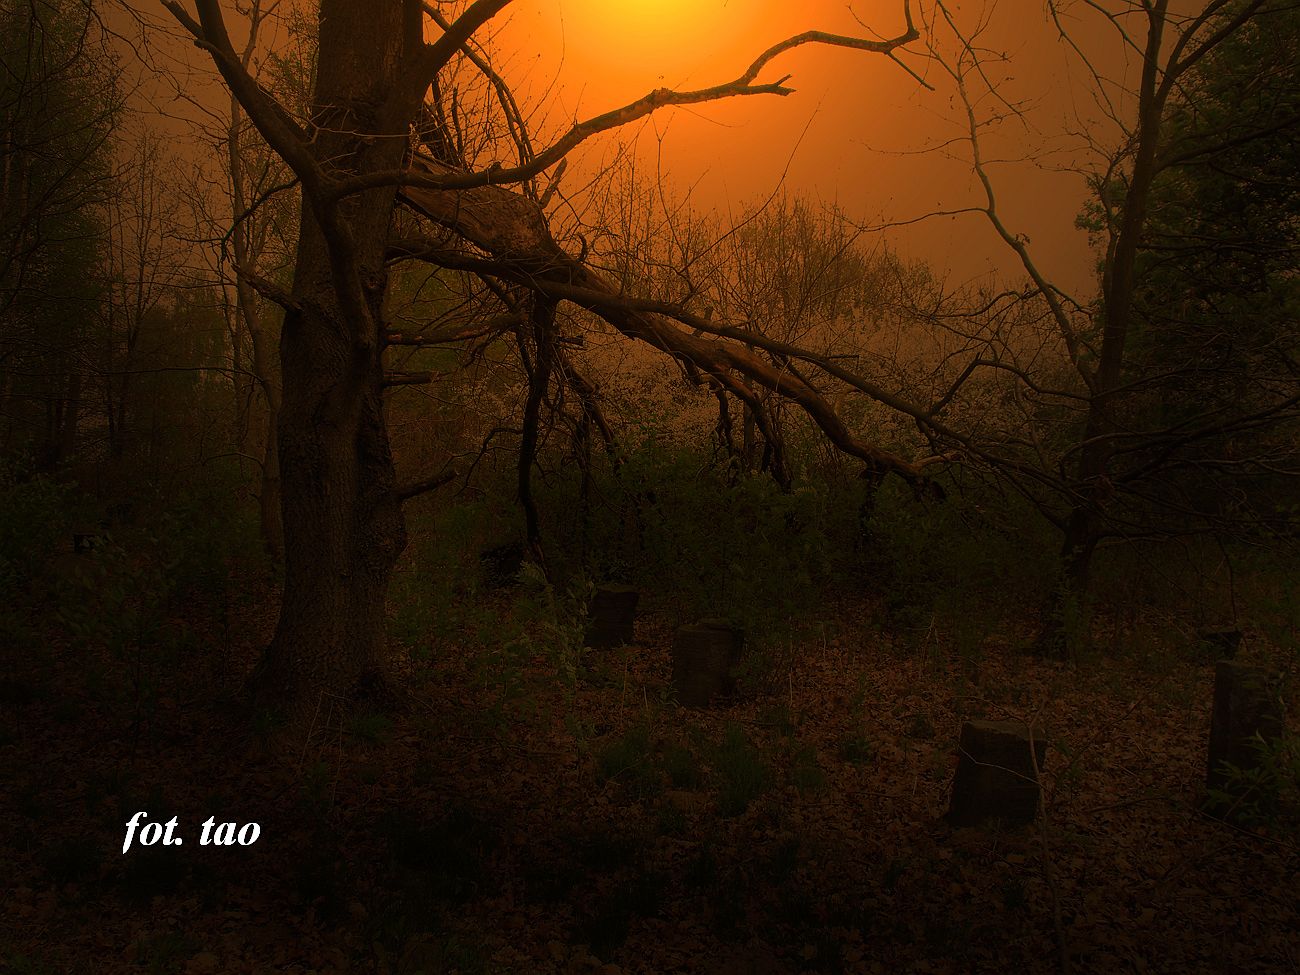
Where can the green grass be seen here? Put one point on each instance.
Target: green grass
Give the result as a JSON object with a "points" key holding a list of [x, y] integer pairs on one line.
{"points": [[743, 774]]}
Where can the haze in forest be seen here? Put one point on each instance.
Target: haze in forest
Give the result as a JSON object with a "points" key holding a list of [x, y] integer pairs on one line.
{"points": [[622, 488], [858, 132]]}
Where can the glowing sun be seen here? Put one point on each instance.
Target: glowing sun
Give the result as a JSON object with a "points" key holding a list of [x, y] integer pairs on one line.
{"points": [[687, 41]]}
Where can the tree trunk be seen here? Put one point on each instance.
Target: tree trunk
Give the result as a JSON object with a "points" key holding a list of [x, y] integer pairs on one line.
{"points": [[267, 373], [1083, 528], [542, 319], [343, 525]]}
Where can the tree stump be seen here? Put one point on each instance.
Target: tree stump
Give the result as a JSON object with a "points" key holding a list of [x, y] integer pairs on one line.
{"points": [[996, 776], [1243, 709], [611, 616], [705, 656]]}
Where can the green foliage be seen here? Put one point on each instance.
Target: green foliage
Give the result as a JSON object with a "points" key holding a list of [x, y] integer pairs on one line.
{"points": [[153, 872], [203, 532], [371, 727], [1208, 386], [60, 100], [36, 514], [554, 622], [430, 597], [627, 758], [777, 717], [1267, 794], [743, 773], [805, 770], [163, 953], [681, 766], [958, 564], [318, 785], [24, 965], [72, 859], [445, 857], [712, 542]]}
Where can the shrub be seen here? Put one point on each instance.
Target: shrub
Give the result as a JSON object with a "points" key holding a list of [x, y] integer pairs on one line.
{"points": [[744, 774], [36, 513]]}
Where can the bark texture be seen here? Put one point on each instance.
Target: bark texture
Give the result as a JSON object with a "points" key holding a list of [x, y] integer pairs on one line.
{"points": [[343, 524]]}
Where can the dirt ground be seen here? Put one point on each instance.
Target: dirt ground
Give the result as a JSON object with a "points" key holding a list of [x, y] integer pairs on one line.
{"points": [[517, 821]]}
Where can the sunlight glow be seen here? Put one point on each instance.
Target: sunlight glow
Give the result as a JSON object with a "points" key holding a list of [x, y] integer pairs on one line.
{"points": [[679, 41]]}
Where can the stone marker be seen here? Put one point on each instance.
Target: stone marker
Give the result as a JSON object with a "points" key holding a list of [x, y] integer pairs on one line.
{"points": [[705, 656], [611, 616], [1243, 708], [995, 774]]}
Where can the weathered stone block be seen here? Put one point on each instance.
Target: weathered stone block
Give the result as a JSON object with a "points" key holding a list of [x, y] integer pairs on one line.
{"points": [[705, 656], [612, 615], [996, 774]]}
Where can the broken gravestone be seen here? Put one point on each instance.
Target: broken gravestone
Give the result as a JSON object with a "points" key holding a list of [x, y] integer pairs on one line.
{"points": [[705, 656], [611, 616], [1245, 711], [996, 777]]}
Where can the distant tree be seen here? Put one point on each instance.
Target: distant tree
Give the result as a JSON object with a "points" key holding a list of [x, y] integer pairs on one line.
{"points": [[1188, 352], [140, 274], [60, 99], [252, 218], [1217, 299]]}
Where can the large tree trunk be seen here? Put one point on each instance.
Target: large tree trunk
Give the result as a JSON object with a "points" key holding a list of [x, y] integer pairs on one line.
{"points": [[343, 526]]}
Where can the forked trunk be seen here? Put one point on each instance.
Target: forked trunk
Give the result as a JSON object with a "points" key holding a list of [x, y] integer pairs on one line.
{"points": [[343, 526]]}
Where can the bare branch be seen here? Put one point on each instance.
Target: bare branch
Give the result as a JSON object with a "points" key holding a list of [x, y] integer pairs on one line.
{"points": [[646, 105]]}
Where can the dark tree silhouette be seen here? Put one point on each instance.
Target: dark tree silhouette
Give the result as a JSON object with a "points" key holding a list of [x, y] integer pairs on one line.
{"points": [[378, 78]]}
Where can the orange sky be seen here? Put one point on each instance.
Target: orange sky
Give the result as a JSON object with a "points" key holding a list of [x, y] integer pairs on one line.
{"points": [[852, 132], [859, 112]]}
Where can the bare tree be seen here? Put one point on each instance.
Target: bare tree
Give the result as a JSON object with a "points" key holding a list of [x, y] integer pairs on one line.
{"points": [[60, 98], [254, 225], [141, 274], [1117, 461], [377, 78]]}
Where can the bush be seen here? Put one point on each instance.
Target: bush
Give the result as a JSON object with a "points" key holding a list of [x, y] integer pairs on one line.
{"points": [[975, 556], [743, 773], [713, 542], [36, 514]]}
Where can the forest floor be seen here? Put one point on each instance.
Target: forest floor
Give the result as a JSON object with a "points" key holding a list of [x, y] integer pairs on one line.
{"points": [[514, 821]]}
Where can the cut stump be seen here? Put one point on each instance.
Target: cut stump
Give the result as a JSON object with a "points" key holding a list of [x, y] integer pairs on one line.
{"points": [[996, 776], [611, 616], [705, 655], [1244, 711]]}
